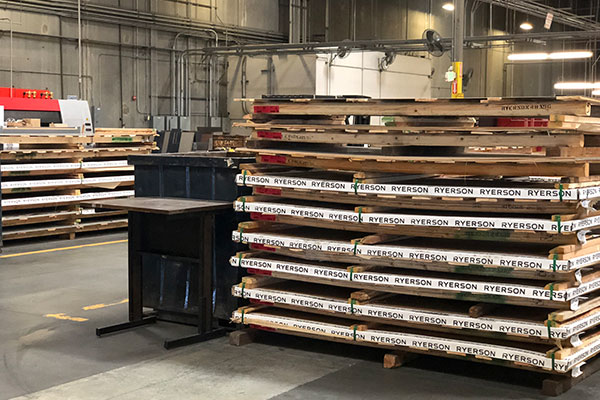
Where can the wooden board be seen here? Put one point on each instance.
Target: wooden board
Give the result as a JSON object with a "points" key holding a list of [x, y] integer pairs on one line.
{"points": [[45, 139], [531, 107], [402, 129], [441, 139], [483, 166]]}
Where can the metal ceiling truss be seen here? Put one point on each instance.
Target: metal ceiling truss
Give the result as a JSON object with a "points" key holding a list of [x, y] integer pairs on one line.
{"points": [[561, 15]]}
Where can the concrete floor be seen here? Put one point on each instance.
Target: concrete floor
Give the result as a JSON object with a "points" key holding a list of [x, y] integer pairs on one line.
{"points": [[50, 351]]}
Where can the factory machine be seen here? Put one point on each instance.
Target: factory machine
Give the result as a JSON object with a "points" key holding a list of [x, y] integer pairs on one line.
{"points": [[40, 104]]}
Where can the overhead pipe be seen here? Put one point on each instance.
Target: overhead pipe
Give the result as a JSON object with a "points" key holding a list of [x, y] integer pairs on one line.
{"points": [[114, 15], [382, 45], [177, 82], [11, 53], [80, 51]]}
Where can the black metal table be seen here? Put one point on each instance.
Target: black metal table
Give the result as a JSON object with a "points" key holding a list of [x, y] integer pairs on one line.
{"points": [[171, 258]]}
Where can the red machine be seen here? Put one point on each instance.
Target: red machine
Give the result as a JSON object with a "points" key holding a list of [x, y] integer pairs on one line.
{"points": [[32, 103]]}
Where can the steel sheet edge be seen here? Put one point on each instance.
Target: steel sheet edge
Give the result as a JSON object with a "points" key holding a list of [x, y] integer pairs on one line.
{"points": [[426, 317], [65, 182], [402, 189], [463, 222], [62, 166], [421, 282], [66, 198], [503, 260]]}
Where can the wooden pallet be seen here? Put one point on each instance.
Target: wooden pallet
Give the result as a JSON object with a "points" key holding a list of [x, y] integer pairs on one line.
{"points": [[55, 154], [68, 230], [458, 165], [541, 357], [415, 136], [551, 384]]}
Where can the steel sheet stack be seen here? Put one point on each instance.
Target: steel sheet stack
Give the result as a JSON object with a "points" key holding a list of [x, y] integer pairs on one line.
{"points": [[463, 228], [48, 172]]}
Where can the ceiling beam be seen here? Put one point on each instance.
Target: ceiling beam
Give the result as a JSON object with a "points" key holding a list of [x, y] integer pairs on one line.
{"points": [[539, 10]]}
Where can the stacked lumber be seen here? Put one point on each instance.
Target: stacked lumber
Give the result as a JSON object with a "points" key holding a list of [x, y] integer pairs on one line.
{"points": [[48, 172], [459, 228]]}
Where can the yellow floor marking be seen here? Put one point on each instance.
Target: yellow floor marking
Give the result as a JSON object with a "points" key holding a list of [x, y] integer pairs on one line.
{"points": [[62, 249], [65, 317], [102, 305]]}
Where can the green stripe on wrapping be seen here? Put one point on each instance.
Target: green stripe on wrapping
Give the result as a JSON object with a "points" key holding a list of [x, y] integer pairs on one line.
{"points": [[551, 290], [240, 256], [241, 234], [243, 288], [243, 313], [351, 272], [122, 139], [352, 302], [355, 246], [244, 204], [554, 258], [360, 215], [354, 332], [553, 361], [560, 191], [558, 223], [548, 323], [355, 186], [244, 173]]}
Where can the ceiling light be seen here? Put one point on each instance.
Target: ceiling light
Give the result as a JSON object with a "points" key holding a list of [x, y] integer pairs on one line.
{"points": [[526, 26], [577, 85], [448, 6], [528, 56], [562, 55]]}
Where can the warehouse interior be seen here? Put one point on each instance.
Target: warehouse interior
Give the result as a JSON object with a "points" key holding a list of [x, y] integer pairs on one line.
{"points": [[286, 199]]}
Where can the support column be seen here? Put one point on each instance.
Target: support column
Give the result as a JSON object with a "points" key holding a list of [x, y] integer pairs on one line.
{"points": [[457, 48]]}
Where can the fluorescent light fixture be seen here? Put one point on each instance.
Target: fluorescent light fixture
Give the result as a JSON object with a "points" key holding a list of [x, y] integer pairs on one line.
{"points": [[448, 6], [526, 26], [577, 85], [563, 55], [596, 93], [528, 56]]}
